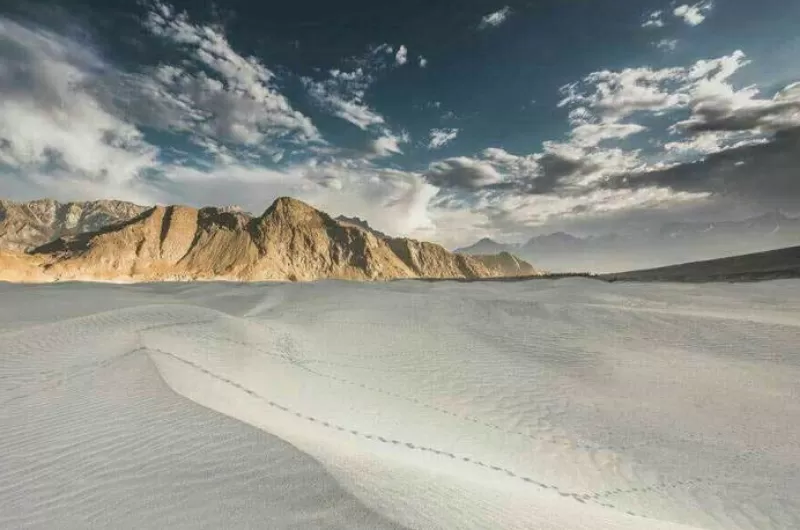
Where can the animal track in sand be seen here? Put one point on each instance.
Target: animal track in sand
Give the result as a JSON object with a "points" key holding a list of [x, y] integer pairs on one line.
{"points": [[580, 497]]}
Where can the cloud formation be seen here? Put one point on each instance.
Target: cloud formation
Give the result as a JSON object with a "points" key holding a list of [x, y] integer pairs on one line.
{"points": [[463, 172], [654, 20], [401, 57], [230, 97], [343, 94], [54, 132], [388, 144], [667, 44], [695, 14], [591, 174], [764, 174], [606, 101], [492, 20], [441, 137]]}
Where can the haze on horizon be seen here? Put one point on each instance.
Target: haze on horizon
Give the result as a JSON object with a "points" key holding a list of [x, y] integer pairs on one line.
{"points": [[493, 119]]}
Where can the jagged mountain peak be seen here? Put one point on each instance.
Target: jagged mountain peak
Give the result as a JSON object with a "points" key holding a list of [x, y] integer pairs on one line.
{"points": [[292, 240], [292, 209]]}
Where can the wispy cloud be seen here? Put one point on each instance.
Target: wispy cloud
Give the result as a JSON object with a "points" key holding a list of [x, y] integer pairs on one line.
{"points": [[388, 143], [234, 97], [441, 137], [401, 57], [667, 44], [492, 20], [654, 20], [343, 94], [695, 14]]}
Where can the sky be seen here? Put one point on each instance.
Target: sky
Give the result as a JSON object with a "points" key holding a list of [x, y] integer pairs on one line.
{"points": [[445, 120]]}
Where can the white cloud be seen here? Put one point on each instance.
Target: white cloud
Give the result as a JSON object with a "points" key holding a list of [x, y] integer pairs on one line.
{"points": [[654, 20], [709, 142], [236, 99], [423, 62], [616, 95], [603, 107], [401, 57], [515, 167], [388, 144], [592, 134], [343, 96], [343, 93], [601, 101], [54, 132], [441, 137], [718, 107], [695, 14], [667, 44], [718, 116], [492, 20]]}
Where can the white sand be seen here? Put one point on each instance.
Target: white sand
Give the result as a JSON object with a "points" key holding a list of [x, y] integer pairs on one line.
{"points": [[552, 405]]}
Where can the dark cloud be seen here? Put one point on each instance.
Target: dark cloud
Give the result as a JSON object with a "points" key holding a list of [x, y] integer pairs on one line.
{"points": [[463, 173], [715, 118], [556, 169], [766, 175]]}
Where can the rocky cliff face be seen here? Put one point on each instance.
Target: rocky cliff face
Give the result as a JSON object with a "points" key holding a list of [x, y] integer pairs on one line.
{"points": [[290, 241], [24, 226]]}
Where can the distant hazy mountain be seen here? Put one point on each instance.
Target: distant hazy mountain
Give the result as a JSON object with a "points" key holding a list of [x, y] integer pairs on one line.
{"points": [[487, 246], [26, 225], [290, 241], [673, 243]]}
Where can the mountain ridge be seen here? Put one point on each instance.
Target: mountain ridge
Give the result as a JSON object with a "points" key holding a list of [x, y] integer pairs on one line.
{"points": [[290, 241], [673, 242], [26, 225]]}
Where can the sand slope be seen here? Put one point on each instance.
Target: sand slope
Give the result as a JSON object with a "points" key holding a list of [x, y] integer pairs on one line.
{"points": [[770, 265], [548, 405]]}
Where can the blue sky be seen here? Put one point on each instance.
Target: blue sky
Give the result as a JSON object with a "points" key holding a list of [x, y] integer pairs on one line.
{"points": [[443, 120]]}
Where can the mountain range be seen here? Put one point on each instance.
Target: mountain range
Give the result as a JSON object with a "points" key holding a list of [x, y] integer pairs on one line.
{"points": [[673, 243], [117, 241], [27, 225]]}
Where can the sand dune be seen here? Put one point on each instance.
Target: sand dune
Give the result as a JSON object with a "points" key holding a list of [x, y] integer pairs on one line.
{"points": [[775, 264], [547, 405]]}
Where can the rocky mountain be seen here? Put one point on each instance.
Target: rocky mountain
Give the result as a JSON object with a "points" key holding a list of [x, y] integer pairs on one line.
{"points": [[290, 241], [361, 223], [672, 243], [24, 226]]}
